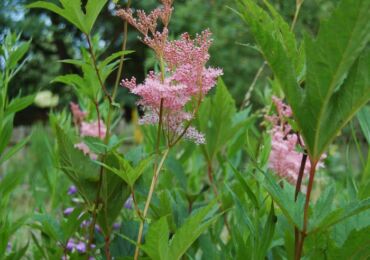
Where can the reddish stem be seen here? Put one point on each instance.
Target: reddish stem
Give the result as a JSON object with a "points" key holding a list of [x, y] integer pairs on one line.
{"points": [[297, 190], [303, 233], [210, 177], [107, 247]]}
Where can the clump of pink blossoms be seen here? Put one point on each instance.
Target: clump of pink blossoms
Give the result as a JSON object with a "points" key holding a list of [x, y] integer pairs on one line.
{"points": [[184, 79], [285, 156], [93, 129]]}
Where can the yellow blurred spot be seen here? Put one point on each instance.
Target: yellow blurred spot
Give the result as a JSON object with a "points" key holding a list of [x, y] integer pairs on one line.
{"points": [[138, 135]]}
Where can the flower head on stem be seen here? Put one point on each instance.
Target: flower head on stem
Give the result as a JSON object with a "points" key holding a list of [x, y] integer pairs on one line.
{"points": [[287, 145]]}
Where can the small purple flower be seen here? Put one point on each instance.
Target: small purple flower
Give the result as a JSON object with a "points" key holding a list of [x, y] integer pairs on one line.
{"points": [[72, 190], [98, 228], [81, 247], [9, 247], [68, 211], [85, 224], [70, 244], [128, 203], [116, 226]]}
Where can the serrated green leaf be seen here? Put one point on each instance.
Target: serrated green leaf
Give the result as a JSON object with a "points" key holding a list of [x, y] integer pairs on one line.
{"points": [[242, 213], [245, 186], [267, 233], [193, 227], [355, 247], [6, 130], [18, 104], [16, 55], [335, 88], [14, 150], [93, 9], [340, 214], [275, 43], [284, 198], [215, 119], [156, 240], [364, 119], [49, 226], [72, 12], [113, 57], [67, 12], [77, 166], [329, 60], [114, 191], [125, 171]]}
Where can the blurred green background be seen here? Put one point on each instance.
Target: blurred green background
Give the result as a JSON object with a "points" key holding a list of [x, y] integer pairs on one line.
{"points": [[55, 39]]}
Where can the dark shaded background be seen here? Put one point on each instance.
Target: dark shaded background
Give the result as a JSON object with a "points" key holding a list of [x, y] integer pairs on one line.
{"points": [[55, 39]]}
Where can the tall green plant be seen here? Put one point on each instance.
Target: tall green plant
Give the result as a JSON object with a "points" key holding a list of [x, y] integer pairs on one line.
{"points": [[12, 52], [335, 82]]}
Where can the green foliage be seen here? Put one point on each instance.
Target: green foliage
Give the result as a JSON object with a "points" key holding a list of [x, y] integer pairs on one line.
{"points": [[158, 246], [12, 51], [219, 110], [88, 85], [355, 246], [127, 172], [336, 76], [291, 209], [325, 80], [72, 11], [88, 178], [364, 119]]}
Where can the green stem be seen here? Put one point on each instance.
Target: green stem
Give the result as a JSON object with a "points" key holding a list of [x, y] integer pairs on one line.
{"points": [[157, 168], [296, 14], [120, 67], [95, 65], [215, 191], [147, 203], [106, 140]]}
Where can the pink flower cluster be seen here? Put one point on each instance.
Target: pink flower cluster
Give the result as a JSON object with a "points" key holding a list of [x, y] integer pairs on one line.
{"points": [[93, 129], [285, 157], [186, 77], [147, 24]]}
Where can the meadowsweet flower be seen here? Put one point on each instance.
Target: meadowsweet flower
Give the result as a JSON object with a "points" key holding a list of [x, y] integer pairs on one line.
{"points": [[286, 145], [86, 150], [185, 79], [93, 129], [77, 113], [147, 24]]}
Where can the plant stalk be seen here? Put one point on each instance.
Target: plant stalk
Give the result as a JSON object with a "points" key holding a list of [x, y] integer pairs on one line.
{"points": [[123, 48], [297, 190], [93, 58], [303, 233], [106, 140], [215, 191], [147, 203]]}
